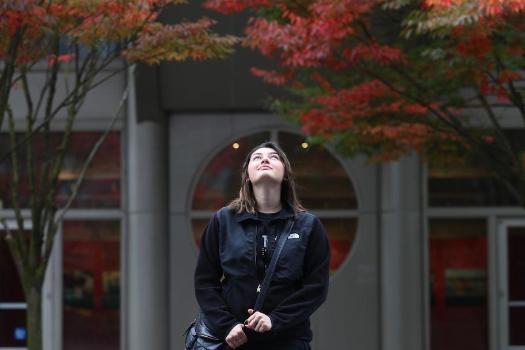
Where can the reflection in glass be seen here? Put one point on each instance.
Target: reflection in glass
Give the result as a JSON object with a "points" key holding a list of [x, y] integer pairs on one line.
{"points": [[101, 187], [91, 285], [465, 286], [341, 233], [458, 270], [516, 322], [461, 185], [10, 287], [322, 183], [516, 263], [13, 332], [516, 278], [465, 188], [221, 179]]}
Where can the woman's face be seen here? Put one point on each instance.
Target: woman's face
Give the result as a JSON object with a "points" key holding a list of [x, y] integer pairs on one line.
{"points": [[265, 165]]}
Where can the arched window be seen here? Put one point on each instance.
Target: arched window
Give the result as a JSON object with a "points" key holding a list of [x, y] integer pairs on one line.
{"points": [[323, 187]]}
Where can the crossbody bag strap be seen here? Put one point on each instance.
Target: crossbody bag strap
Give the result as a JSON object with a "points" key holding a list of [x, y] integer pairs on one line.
{"points": [[273, 264]]}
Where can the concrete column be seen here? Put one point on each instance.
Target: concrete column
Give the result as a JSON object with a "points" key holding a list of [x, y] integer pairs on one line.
{"points": [[147, 319], [402, 258]]}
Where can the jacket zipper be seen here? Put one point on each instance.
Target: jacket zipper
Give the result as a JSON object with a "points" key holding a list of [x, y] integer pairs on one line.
{"points": [[255, 255]]}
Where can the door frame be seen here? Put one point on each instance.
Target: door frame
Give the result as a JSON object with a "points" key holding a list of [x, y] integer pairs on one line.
{"points": [[503, 299]]}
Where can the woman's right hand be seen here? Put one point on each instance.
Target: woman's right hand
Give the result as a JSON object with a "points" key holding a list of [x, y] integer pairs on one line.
{"points": [[236, 337]]}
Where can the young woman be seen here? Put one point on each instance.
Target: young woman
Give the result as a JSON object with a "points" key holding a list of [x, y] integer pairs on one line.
{"points": [[236, 249]]}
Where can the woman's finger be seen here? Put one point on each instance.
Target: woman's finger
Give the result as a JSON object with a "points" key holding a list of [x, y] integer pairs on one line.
{"points": [[253, 319]]}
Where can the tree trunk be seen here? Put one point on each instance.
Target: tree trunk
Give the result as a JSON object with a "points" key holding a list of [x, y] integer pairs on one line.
{"points": [[34, 319]]}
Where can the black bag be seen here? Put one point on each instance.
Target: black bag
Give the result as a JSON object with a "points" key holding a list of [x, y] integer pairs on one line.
{"points": [[198, 336]]}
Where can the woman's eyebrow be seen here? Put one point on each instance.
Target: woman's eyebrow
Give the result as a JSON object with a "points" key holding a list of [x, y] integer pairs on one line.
{"points": [[259, 153]]}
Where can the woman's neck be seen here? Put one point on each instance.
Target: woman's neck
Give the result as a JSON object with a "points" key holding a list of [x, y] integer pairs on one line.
{"points": [[268, 198]]}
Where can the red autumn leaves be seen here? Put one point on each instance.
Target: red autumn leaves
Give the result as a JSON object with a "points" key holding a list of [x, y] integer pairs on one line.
{"points": [[386, 74], [28, 25]]}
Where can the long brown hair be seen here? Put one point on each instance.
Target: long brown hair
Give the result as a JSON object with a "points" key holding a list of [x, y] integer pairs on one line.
{"points": [[246, 200]]}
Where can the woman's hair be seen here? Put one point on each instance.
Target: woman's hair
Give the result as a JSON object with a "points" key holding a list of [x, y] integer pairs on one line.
{"points": [[246, 200]]}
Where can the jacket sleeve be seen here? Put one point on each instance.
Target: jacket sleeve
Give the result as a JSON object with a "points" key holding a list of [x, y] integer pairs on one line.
{"points": [[300, 305], [208, 288]]}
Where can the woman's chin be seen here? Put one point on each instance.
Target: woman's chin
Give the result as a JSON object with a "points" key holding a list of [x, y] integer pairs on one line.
{"points": [[267, 179]]}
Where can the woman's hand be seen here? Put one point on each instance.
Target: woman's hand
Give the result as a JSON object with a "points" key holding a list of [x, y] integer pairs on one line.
{"points": [[258, 321], [236, 337]]}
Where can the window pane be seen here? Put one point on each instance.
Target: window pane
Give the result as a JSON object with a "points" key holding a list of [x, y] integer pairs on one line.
{"points": [[10, 287], [517, 322], [221, 179], [101, 186], [91, 285], [457, 185], [13, 332], [465, 188], [341, 233], [516, 274], [516, 263], [322, 183], [458, 270]]}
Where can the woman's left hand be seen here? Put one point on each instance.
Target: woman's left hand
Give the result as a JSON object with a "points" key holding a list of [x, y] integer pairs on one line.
{"points": [[258, 321]]}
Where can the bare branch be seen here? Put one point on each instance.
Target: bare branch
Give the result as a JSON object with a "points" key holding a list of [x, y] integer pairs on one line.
{"points": [[15, 176], [82, 87], [94, 150], [498, 129], [515, 96], [9, 71], [52, 82], [16, 247], [67, 101], [52, 224]]}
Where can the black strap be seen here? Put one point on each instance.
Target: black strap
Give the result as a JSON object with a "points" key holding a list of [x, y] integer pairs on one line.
{"points": [[273, 264]]}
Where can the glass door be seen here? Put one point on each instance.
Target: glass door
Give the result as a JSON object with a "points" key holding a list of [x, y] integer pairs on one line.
{"points": [[512, 284]]}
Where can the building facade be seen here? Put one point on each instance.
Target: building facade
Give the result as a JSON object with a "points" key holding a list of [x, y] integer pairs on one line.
{"points": [[422, 259]]}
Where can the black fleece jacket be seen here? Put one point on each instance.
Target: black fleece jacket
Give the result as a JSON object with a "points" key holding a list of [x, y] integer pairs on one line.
{"points": [[226, 275]]}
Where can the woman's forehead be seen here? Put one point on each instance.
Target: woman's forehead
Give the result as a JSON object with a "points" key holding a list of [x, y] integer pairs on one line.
{"points": [[264, 151]]}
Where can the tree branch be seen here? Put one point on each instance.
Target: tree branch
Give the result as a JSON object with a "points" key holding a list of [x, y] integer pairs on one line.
{"points": [[16, 178], [80, 179], [15, 244], [9, 70], [497, 127], [29, 148], [91, 155], [515, 96], [68, 100]]}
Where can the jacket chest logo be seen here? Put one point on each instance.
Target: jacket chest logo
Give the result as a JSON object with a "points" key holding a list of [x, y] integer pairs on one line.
{"points": [[293, 236]]}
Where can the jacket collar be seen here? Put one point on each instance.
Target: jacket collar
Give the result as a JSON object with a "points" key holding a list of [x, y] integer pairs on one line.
{"points": [[285, 213]]}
